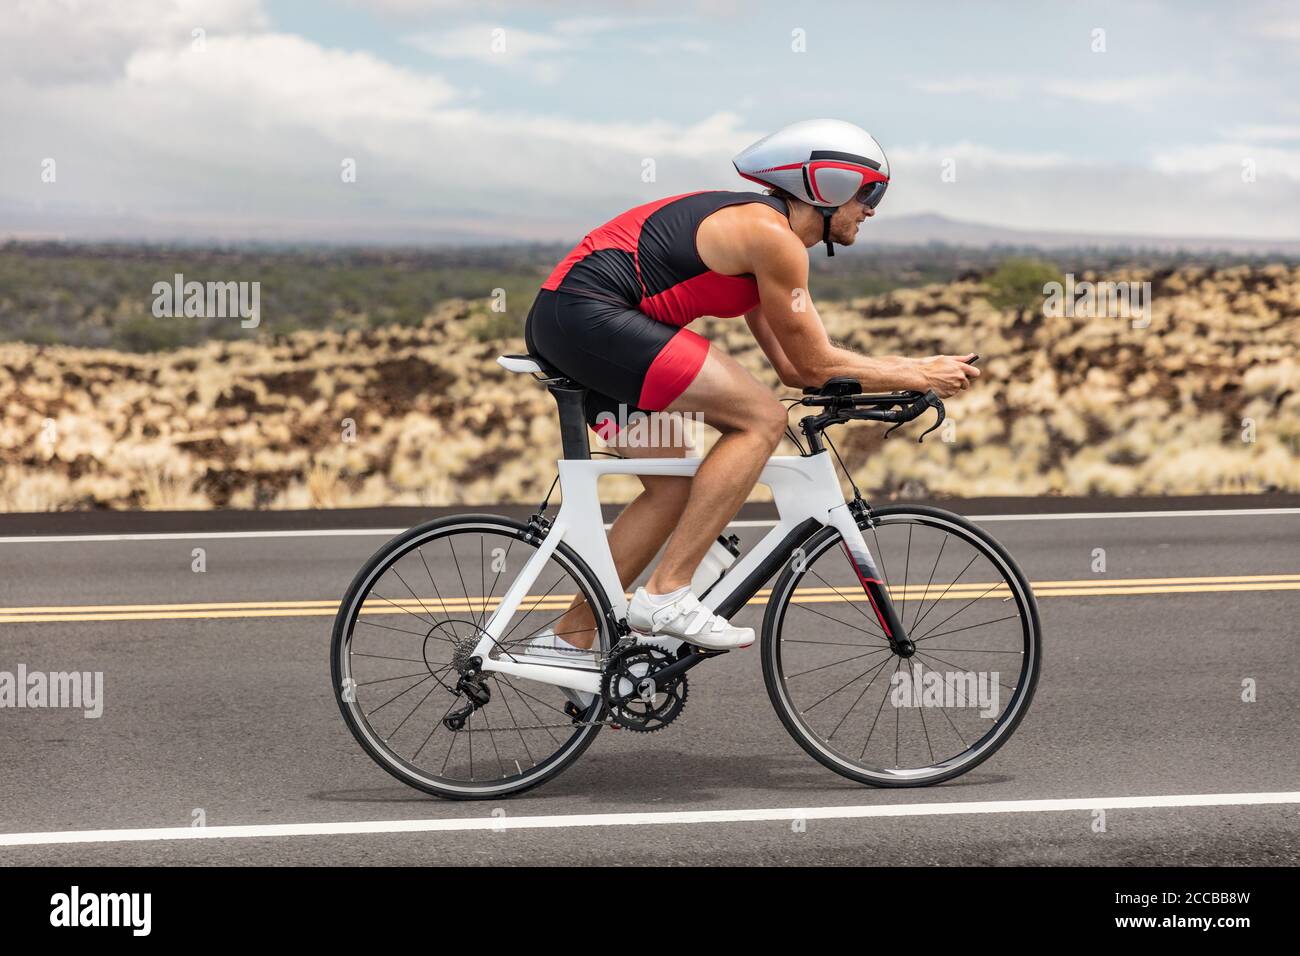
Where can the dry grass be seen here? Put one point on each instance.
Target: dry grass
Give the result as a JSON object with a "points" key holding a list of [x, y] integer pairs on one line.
{"points": [[1066, 406]]}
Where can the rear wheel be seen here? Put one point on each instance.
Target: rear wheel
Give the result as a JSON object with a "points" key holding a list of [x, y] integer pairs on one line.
{"points": [[876, 717], [402, 642]]}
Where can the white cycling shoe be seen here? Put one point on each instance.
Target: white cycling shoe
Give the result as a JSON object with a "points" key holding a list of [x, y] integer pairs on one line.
{"points": [[556, 650], [687, 620]]}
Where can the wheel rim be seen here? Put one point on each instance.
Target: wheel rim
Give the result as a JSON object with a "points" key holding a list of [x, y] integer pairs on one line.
{"points": [[866, 711], [408, 624]]}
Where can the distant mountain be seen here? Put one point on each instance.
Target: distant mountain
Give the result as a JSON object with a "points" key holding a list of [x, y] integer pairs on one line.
{"points": [[925, 228], [22, 222]]}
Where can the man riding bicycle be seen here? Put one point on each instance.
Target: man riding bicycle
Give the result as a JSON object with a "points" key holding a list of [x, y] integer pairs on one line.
{"points": [[612, 317]]}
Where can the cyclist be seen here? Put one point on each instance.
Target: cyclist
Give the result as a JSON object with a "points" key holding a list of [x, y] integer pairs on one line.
{"points": [[613, 316]]}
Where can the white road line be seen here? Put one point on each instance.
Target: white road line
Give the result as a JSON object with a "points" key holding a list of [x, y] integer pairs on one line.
{"points": [[1094, 515], [144, 835], [204, 535], [763, 523]]}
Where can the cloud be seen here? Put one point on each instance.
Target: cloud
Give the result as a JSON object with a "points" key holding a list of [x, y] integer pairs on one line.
{"points": [[996, 87], [1130, 91], [672, 45], [488, 43], [1263, 132], [282, 78], [66, 41], [244, 139], [1220, 158], [975, 155], [1279, 29]]}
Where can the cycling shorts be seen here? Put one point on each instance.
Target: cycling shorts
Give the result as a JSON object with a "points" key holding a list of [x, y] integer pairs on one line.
{"points": [[623, 356]]}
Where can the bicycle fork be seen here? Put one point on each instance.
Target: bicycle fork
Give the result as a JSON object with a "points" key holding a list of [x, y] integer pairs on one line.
{"points": [[855, 549]]}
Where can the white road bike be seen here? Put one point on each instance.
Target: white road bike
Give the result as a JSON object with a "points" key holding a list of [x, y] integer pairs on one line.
{"points": [[895, 682]]}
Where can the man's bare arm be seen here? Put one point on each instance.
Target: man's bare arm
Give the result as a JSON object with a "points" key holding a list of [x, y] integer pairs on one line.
{"points": [[771, 347], [780, 265]]}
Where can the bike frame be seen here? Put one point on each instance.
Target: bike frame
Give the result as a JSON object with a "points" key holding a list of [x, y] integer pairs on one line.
{"points": [[808, 497]]}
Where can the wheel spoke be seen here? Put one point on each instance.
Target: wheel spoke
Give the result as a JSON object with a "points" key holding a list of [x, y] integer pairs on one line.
{"points": [[930, 635], [384, 657], [401, 607], [837, 663], [520, 733], [958, 611], [502, 643], [393, 733], [846, 600], [907, 568], [883, 698], [814, 676], [838, 689], [1002, 683], [837, 620], [916, 624], [925, 730], [866, 687], [921, 605], [420, 551], [389, 627], [451, 544]]}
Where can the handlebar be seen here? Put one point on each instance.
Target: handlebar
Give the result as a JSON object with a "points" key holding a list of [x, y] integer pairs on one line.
{"points": [[842, 403]]}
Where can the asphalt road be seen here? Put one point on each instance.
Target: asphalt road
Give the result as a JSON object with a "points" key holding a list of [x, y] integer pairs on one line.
{"points": [[233, 718]]}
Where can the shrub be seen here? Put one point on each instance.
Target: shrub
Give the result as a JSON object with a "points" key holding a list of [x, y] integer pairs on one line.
{"points": [[1018, 283]]}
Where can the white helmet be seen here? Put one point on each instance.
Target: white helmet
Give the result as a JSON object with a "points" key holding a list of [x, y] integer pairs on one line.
{"points": [[823, 162]]}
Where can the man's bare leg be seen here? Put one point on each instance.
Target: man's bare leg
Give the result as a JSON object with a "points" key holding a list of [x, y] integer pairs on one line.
{"points": [[752, 423], [635, 537], [694, 511]]}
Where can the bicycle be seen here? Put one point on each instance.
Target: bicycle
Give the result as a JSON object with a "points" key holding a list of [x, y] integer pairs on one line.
{"points": [[815, 650]]}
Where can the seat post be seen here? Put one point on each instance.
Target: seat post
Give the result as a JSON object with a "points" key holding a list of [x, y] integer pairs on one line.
{"points": [[573, 421]]}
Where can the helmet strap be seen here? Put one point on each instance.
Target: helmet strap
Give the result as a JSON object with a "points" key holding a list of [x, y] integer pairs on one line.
{"points": [[826, 229]]}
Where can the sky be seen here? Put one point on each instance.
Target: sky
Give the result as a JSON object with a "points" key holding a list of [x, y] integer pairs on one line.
{"points": [[468, 120]]}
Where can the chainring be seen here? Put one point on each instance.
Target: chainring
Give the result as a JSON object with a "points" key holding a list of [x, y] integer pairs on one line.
{"points": [[635, 702]]}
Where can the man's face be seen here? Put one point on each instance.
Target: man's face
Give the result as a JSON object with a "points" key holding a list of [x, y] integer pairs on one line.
{"points": [[846, 221]]}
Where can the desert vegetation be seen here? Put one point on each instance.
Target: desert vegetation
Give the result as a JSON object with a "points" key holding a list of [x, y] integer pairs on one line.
{"points": [[1206, 398]]}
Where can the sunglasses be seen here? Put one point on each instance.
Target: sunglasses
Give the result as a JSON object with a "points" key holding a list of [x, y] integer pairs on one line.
{"points": [[871, 194]]}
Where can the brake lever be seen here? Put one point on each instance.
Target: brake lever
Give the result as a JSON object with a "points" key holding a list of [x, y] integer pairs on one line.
{"points": [[936, 403]]}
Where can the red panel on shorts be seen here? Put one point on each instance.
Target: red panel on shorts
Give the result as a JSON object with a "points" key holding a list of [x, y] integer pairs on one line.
{"points": [[673, 369]]}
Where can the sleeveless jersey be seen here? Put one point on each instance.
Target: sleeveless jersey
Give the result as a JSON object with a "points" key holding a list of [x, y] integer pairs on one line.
{"points": [[646, 259]]}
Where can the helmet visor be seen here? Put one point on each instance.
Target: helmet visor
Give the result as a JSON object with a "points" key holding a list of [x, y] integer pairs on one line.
{"points": [[871, 194]]}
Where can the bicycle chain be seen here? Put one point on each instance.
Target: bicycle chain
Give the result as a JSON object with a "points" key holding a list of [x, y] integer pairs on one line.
{"points": [[622, 645]]}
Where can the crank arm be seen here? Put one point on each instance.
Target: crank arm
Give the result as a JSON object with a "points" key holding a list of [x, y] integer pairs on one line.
{"points": [[684, 663]]}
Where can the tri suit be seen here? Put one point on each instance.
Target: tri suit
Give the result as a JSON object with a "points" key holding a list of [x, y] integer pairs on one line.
{"points": [[613, 313]]}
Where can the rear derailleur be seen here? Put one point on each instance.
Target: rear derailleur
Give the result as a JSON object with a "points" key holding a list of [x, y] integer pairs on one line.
{"points": [[474, 686]]}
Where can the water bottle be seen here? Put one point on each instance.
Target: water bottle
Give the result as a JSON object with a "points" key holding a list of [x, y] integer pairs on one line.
{"points": [[721, 555]]}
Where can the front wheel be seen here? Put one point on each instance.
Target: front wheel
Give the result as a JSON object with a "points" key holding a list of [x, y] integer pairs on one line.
{"points": [[861, 709]]}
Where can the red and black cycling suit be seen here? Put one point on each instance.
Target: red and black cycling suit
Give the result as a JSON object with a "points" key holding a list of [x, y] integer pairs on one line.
{"points": [[612, 315]]}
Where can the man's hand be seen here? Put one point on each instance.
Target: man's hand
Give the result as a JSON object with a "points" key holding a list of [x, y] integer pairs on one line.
{"points": [[949, 374]]}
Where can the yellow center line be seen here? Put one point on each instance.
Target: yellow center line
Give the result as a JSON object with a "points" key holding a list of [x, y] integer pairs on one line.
{"points": [[477, 604]]}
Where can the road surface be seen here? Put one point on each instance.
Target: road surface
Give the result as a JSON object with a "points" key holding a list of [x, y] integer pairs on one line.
{"points": [[225, 715]]}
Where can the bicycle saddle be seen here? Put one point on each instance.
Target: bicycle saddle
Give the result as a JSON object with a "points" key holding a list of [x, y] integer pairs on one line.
{"points": [[527, 363]]}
